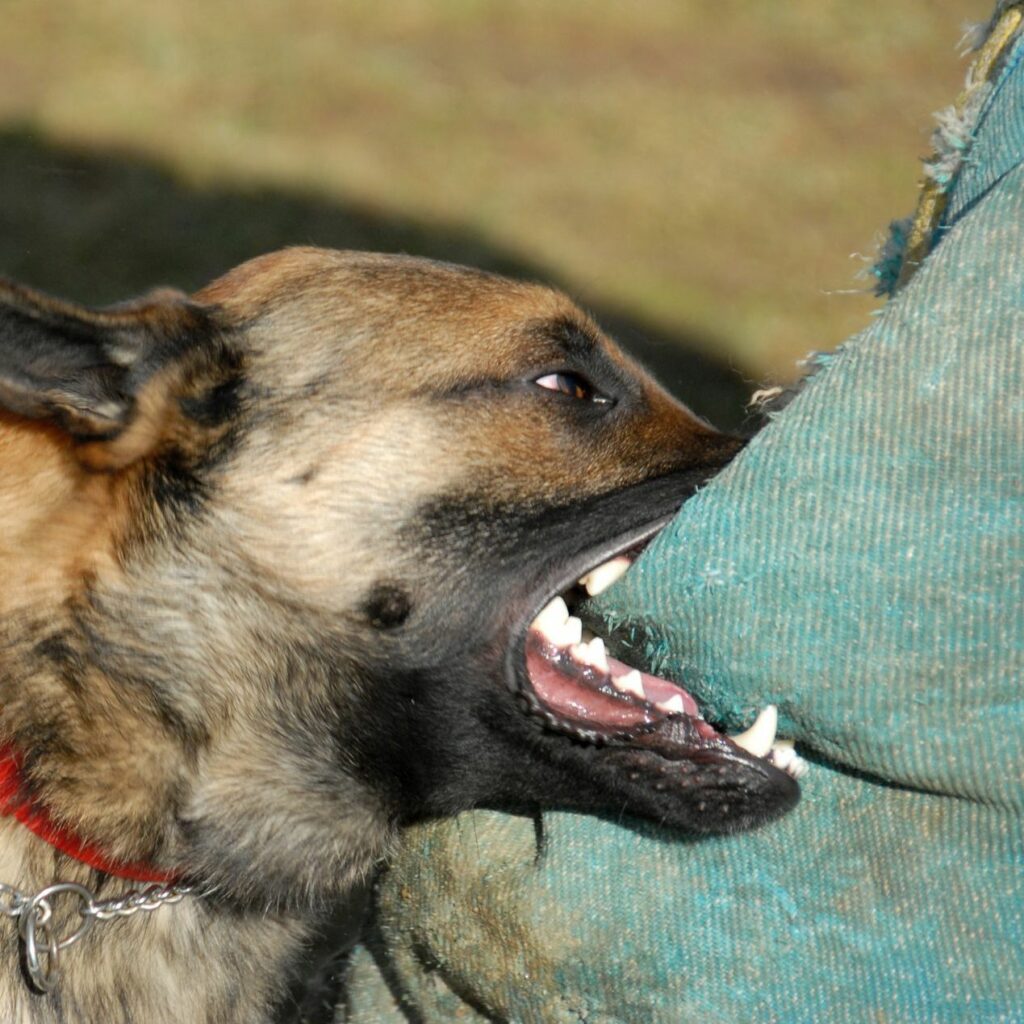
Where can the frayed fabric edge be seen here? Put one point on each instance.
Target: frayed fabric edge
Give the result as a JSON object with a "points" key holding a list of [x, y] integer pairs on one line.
{"points": [[766, 403], [910, 239]]}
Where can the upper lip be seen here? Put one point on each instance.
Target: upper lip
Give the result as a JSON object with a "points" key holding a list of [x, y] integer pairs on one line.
{"points": [[567, 577]]}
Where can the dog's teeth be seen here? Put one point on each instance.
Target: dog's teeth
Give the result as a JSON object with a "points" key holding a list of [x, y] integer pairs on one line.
{"points": [[557, 625], [787, 759], [758, 739], [570, 632], [591, 652], [552, 618], [605, 575], [630, 683], [673, 706], [598, 658], [783, 753]]}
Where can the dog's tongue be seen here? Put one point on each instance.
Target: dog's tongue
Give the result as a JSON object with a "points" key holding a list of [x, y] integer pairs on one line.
{"points": [[582, 686]]}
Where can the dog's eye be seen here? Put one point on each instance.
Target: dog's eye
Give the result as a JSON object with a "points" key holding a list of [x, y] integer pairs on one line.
{"points": [[570, 384]]}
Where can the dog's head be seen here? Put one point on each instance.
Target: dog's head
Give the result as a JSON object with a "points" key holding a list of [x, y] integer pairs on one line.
{"points": [[289, 560]]}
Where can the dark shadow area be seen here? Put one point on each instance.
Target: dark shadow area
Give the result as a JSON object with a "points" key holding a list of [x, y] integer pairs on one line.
{"points": [[316, 993], [102, 227]]}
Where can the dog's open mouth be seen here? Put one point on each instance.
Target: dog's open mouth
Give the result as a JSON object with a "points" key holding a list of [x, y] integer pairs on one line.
{"points": [[577, 689]]}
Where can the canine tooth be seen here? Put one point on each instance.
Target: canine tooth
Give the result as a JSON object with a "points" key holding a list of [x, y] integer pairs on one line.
{"points": [[758, 739], [551, 618], [630, 683], [598, 658], [605, 575], [674, 705]]}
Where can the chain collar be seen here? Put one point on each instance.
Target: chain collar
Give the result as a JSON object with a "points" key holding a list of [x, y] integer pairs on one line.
{"points": [[41, 946]]}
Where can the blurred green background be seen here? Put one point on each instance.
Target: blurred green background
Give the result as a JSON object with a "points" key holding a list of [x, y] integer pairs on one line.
{"points": [[696, 173]]}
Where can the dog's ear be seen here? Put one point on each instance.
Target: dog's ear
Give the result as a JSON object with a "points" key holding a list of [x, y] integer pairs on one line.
{"points": [[94, 374]]}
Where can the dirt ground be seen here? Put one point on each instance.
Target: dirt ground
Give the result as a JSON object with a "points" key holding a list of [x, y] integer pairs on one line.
{"points": [[697, 172]]}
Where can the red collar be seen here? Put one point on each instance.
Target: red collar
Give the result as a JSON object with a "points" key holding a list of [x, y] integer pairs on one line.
{"points": [[15, 803]]}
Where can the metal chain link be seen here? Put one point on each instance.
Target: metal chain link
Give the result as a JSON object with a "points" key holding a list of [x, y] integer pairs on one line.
{"points": [[41, 947]]}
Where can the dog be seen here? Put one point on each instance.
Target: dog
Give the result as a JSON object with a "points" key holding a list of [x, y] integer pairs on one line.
{"points": [[289, 563]]}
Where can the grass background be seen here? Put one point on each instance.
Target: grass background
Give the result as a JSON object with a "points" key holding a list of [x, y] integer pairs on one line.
{"points": [[698, 173]]}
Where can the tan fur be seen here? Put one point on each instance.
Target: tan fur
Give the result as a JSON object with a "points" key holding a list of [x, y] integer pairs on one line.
{"points": [[57, 516], [178, 674]]}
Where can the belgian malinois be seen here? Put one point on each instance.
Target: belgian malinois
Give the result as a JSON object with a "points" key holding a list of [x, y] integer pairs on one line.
{"points": [[284, 565]]}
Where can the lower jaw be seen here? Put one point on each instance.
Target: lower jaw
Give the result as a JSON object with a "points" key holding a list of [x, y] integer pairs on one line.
{"points": [[577, 690]]}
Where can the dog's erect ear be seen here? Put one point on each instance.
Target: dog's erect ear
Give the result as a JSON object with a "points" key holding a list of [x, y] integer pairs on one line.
{"points": [[84, 370]]}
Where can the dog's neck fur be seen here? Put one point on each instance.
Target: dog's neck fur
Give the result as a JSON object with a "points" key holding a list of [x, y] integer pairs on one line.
{"points": [[139, 969], [125, 788], [150, 956]]}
